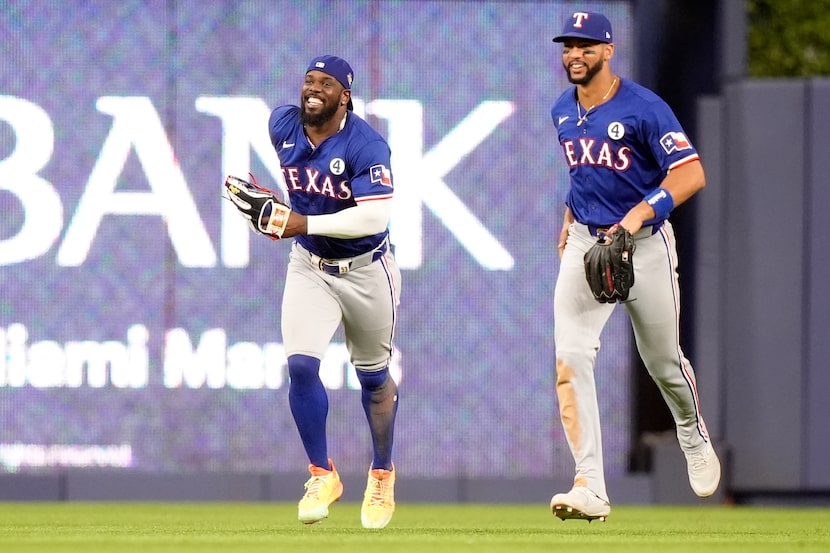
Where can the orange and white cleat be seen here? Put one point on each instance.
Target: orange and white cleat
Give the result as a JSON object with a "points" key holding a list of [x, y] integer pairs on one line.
{"points": [[379, 498], [321, 490]]}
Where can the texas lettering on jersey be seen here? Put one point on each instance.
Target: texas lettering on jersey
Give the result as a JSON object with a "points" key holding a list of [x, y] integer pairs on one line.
{"points": [[327, 187], [590, 151]]}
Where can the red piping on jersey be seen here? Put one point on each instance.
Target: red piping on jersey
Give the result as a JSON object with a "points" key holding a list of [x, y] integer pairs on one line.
{"points": [[684, 161], [373, 198]]}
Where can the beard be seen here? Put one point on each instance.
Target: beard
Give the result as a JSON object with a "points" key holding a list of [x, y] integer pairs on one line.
{"points": [[317, 119], [590, 72]]}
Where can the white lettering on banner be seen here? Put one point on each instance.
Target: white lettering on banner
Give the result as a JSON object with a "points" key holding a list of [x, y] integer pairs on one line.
{"points": [[212, 364], [15, 456], [48, 364], [42, 207], [420, 177], [136, 126], [248, 366], [405, 135], [184, 367]]}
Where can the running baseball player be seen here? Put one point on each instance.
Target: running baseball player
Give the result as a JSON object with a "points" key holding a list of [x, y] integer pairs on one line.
{"points": [[341, 269], [630, 164]]}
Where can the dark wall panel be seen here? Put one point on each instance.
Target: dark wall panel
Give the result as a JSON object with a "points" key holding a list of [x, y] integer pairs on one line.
{"points": [[817, 267], [763, 296], [709, 308]]}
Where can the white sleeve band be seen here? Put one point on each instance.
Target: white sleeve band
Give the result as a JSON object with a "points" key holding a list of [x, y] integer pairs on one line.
{"points": [[364, 219]]}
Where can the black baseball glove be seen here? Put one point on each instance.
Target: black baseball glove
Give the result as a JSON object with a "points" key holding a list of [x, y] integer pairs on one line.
{"points": [[609, 265], [263, 209]]}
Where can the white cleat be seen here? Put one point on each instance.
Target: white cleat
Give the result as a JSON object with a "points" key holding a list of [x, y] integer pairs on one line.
{"points": [[580, 503], [704, 470]]}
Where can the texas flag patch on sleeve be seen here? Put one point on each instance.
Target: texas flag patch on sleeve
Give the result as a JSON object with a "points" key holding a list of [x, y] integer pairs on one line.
{"points": [[380, 174], [675, 142]]}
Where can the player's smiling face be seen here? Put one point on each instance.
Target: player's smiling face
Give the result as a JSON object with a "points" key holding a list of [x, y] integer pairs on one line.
{"points": [[320, 98], [583, 59]]}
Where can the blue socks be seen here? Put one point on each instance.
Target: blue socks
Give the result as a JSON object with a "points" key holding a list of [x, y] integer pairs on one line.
{"points": [[380, 402], [310, 406]]}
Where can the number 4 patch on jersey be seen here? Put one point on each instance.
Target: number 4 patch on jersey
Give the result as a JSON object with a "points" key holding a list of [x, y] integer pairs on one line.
{"points": [[675, 142]]}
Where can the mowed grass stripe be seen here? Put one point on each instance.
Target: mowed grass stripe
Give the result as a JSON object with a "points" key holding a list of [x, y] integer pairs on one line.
{"points": [[253, 527]]}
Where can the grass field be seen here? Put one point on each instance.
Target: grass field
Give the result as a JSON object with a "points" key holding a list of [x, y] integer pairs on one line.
{"points": [[254, 527]]}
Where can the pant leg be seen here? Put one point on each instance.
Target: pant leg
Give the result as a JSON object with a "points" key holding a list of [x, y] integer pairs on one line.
{"points": [[578, 322], [369, 298], [310, 310], [655, 315]]}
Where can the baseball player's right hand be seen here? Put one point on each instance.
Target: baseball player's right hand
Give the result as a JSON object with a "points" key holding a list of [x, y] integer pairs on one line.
{"points": [[263, 210], [563, 234]]}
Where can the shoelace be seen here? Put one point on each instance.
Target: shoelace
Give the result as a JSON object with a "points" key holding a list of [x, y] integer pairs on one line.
{"points": [[377, 496], [699, 460], [313, 487]]}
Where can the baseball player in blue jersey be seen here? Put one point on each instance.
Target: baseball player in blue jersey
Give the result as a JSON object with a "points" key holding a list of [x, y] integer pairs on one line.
{"points": [[630, 164], [341, 269]]}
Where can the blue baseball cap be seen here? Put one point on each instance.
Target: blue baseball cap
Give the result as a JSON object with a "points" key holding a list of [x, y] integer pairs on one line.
{"points": [[337, 68], [587, 25]]}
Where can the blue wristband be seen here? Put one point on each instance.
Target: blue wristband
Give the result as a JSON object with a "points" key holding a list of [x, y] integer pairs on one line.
{"points": [[661, 202]]}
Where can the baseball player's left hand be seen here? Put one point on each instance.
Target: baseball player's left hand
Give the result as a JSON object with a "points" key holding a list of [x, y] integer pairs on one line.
{"points": [[263, 210], [563, 239], [609, 265]]}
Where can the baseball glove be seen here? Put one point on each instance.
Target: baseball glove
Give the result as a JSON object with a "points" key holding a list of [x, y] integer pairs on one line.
{"points": [[609, 265], [261, 207]]}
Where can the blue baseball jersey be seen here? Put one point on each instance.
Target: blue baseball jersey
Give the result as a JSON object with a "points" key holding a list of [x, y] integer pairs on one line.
{"points": [[350, 166], [621, 152]]}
